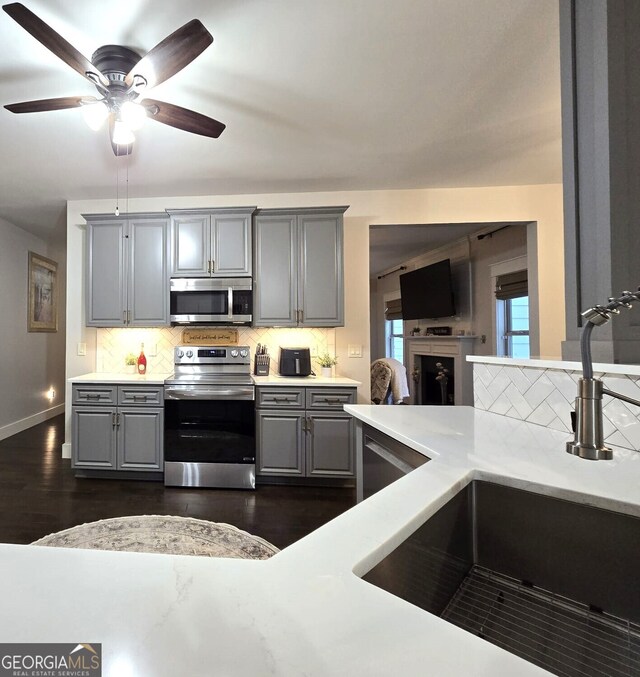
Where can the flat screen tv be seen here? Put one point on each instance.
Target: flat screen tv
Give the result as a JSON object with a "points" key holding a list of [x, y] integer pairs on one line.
{"points": [[427, 293]]}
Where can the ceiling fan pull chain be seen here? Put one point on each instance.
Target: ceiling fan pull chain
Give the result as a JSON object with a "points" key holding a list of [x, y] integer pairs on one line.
{"points": [[128, 162], [117, 187]]}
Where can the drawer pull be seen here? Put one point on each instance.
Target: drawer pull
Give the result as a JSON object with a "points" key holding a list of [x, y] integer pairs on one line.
{"points": [[93, 396], [282, 399], [139, 398], [332, 400]]}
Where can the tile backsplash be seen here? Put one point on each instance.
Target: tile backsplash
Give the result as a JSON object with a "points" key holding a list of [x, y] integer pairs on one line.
{"points": [[114, 344], [546, 397]]}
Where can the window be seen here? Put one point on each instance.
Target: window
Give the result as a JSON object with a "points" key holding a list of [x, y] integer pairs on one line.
{"points": [[395, 340], [393, 329], [512, 314], [513, 326]]}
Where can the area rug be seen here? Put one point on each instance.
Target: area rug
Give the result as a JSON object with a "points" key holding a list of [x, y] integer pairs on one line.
{"points": [[163, 534]]}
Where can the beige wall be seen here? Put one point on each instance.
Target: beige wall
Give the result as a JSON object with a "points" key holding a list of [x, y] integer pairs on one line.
{"points": [[542, 204], [33, 362]]}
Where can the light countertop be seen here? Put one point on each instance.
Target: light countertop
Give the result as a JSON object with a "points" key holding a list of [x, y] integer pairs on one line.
{"points": [[271, 380], [306, 611], [276, 380], [550, 363], [96, 377]]}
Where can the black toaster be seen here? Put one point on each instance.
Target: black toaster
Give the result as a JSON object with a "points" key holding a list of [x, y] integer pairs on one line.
{"points": [[295, 362]]}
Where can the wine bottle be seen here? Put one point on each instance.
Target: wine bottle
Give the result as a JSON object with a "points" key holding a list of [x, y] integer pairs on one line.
{"points": [[142, 361]]}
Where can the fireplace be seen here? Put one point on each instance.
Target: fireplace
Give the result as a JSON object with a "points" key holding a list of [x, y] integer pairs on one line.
{"points": [[437, 384], [422, 356]]}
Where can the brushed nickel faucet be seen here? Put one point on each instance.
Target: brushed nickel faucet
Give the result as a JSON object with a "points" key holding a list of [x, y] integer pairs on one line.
{"points": [[588, 441]]}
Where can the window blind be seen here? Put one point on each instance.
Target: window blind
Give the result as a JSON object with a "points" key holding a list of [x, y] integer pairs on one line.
{"points": [[512, 285], [393, 309]]}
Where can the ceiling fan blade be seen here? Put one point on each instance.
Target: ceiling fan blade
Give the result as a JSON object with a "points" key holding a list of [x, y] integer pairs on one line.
{"points": [[182, 118], [54, 42], [50, 104], [171, 55], [118, 149]]}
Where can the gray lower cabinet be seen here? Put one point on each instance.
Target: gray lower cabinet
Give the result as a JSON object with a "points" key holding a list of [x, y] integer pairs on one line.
{"points": [[304, 432], [211, 242], [128, 436], [298, 269], [127, 263]]}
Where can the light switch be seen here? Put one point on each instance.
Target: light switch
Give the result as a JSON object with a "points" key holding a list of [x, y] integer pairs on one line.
{"points": [[354, 350], [82, 349]]}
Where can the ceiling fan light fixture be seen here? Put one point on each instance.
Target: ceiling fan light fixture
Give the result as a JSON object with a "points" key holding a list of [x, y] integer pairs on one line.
{"points": [[95, 113], [133, 114], [122, 134]]}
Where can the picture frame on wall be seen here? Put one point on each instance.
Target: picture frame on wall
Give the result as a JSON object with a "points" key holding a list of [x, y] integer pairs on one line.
{"points": [[43, 294]]}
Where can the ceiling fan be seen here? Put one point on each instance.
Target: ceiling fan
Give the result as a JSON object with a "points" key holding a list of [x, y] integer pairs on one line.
{"points": [[121, 75]]}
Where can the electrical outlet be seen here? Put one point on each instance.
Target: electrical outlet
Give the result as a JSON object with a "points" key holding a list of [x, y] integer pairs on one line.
{"points": [[354, 350], [82, 349], [153, 349], [314, 350]]}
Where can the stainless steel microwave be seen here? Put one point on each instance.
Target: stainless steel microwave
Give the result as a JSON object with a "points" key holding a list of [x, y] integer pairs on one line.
{"points": [[211, 300]]}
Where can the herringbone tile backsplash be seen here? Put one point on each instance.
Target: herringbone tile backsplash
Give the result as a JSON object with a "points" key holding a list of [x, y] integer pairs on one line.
{"points": [[114, 344], [546, 397]]}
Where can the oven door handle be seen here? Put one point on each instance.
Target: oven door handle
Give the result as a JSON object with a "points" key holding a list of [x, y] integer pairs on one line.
{"points": [[203, 393]]}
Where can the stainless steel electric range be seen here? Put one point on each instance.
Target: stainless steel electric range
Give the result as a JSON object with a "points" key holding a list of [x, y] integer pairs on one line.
{"points": [[209, 436]]}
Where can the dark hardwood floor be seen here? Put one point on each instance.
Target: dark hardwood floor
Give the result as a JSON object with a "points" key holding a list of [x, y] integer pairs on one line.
{"points": [[39, 495]]}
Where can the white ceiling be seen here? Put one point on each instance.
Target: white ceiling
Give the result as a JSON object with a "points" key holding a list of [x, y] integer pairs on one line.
{"points": [[331, 95], [390, 245]]}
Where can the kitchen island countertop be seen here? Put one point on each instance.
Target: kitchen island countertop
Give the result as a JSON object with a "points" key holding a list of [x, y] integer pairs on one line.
{"points": [[305, 611]]}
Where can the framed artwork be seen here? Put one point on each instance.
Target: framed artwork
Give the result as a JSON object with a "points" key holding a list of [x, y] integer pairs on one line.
{"points": [[43, 294]]}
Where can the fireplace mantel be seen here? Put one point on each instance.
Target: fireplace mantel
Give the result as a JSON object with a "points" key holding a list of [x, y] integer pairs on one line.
{"points": [[456, 347]]}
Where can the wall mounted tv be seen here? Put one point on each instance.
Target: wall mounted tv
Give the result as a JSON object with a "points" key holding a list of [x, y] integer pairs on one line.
{"points": [[427, 293]]}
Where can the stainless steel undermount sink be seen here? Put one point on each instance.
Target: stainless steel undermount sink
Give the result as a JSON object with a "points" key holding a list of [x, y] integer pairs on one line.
{"points": [[552, 581]]}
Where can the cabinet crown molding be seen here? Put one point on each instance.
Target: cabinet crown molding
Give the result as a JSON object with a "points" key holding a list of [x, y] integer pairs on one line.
{"points": [[302, 210], [123, 217], [211, 210]]}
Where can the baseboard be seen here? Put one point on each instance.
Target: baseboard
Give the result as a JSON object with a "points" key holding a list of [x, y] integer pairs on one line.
{"points": [[30, 421]]}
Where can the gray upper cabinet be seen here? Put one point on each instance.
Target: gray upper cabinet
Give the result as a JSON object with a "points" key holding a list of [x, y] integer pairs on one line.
{"points": [[127, 281], [299, 268], [275, 289], [211, 242]]}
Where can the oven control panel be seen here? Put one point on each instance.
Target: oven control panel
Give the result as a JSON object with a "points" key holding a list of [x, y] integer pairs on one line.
{"points": [[208, 355]]}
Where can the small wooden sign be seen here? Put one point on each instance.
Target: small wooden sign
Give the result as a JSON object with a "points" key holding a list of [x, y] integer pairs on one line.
{"points": [[203, 336]]}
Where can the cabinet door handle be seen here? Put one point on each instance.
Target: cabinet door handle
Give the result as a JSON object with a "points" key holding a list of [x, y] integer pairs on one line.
{"points": [[117, 419], [128, 317], [301, 316], [113, 420], [310, 425], [124, 317], [213, 266]]}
